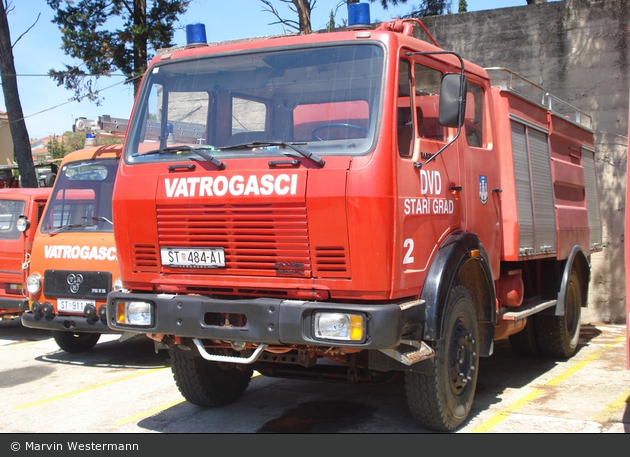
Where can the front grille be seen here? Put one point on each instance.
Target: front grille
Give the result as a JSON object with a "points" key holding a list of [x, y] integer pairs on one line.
{"points": [[77, 284], [261, 240]]}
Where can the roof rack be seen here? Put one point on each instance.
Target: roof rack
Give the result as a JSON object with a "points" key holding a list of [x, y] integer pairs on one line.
{"points": [[509, 80]]}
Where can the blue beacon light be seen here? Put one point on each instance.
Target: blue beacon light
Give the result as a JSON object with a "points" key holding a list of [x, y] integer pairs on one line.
{"points": [[358, 15], [196, 35]]}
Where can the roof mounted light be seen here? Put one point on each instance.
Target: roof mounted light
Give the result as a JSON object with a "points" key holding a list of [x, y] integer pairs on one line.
{"points": [[196, 35], [358, 15]]}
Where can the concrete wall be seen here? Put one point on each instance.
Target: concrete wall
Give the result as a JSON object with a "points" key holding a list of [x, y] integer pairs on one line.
{"points": [[578, 51], [6, 141]]}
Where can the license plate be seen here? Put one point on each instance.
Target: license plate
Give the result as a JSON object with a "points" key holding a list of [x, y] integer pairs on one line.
{"points": [[193, 257], [73, 306]]}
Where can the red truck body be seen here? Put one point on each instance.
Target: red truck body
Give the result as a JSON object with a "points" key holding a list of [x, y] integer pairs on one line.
{"points": [[73, 261], [350, 206], [15, 246]]}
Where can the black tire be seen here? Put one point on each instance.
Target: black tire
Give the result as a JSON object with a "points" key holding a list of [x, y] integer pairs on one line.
{"points": [[440, 399], [75, 342], [205, 383], [558, 336], [50, 180], [525, 342]]}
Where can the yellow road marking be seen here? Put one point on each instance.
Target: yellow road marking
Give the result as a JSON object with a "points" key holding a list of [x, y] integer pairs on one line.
{"points": [[21, 345], [150, 412], [499, 417], [86, 389], [608, 412]]}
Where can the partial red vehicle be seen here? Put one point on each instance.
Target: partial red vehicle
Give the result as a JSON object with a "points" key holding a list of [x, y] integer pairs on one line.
{"points": [[20, 208]]}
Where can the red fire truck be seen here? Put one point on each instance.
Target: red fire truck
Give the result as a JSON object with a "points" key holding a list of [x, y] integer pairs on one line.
{"points": [[20, 211], [73, 260], [627, 265], [350, 206]]}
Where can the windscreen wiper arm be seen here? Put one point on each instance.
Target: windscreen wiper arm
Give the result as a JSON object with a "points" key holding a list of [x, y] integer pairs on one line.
{"points": [[68, 226], [99, 218], [295, 146], [199, 150]]}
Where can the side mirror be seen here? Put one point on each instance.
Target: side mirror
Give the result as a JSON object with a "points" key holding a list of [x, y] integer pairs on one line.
{"points": [[453, 100]]}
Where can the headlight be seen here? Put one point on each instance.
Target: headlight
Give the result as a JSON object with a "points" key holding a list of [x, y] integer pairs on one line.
{"points": [[339, 326], [137, 313], [33, 283], [23, 223], [118, 285]]}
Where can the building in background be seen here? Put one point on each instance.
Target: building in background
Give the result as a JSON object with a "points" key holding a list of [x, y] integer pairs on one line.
{"points": [[6, 141]]}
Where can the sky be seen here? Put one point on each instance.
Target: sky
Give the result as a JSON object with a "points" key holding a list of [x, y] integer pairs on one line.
{"points": [[49, 109]]}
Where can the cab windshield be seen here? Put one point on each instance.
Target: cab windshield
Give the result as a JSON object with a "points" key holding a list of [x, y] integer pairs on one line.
{"points": [[82, 198], [10, 211], [324, 99]]}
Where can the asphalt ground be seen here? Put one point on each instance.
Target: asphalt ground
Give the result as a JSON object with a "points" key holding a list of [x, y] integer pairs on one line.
{"points": [[127, 388]]}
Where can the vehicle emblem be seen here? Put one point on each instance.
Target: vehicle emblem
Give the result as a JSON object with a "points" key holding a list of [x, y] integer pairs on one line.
{"points": [[483, 189], [74, 281]]}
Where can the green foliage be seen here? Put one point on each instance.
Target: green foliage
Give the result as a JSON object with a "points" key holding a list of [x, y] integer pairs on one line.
{"points": [[430, 8], [73, 141], [56, 148], [463, 6], [384, 3], [92, 32]]}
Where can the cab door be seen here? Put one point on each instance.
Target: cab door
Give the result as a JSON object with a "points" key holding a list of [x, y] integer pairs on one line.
{"points": [[428, 201]]}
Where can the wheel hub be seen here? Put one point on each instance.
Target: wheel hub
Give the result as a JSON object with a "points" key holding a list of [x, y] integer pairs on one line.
{"points": [[461, 357]]}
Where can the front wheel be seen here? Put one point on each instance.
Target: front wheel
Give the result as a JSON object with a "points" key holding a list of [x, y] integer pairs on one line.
{"points": [[440, 398], [75, 342], [205, 383]]}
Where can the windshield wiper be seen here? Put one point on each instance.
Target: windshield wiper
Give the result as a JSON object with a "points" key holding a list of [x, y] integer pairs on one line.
{"points": [[99, 218], [69, 226], [199, 150], [295, 146]]}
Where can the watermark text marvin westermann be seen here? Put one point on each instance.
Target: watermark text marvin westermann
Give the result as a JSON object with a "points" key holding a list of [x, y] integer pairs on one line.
{"points": [[75, 446]]}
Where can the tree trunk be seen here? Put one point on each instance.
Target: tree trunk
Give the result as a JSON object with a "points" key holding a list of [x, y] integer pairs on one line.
{"points": [[303, 8], [21, 143]]}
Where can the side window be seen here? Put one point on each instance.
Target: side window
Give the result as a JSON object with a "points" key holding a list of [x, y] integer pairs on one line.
{"points": [[473, 119], [404, 115], [427, 96]]}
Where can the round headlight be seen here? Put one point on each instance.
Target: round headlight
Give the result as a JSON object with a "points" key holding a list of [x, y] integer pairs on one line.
{"points": [[23, 224], [118, 285], [33, 283]]}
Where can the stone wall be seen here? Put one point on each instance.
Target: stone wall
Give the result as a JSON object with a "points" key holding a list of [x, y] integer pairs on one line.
{"points": [[578, 51]]}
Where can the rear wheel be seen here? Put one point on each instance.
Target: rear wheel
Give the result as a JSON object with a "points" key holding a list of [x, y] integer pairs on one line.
{"points": [[75, 342], [441, 398], [205, 383], [525, 342], [558, 335]]}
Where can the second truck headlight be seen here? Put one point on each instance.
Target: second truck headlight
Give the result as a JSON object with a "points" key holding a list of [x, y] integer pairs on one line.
{"points": [[339, 326]]}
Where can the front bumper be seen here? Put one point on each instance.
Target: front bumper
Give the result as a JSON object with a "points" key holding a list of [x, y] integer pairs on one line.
{"points": [[72, 323], [268, 321]]}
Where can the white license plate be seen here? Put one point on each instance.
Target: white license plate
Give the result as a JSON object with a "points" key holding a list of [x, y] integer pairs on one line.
{"points": [[73, 306], [193, 257]]}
